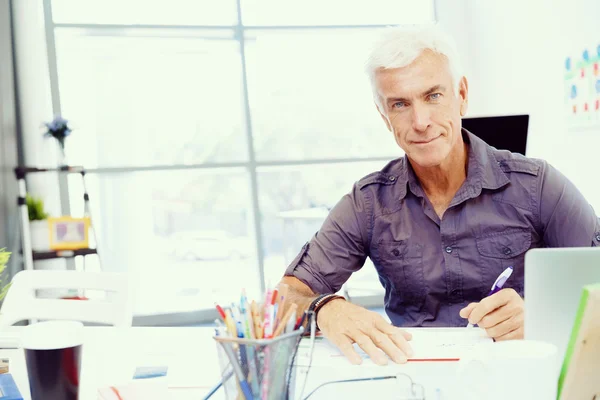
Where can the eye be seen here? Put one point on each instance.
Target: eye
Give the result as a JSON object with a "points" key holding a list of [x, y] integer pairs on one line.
{"points": [[399, 104], [435, 96]]}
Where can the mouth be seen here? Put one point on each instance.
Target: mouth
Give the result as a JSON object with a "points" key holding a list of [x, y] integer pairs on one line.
{"points": [[423, 142]]}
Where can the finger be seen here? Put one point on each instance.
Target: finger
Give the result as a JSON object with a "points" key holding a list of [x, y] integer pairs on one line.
{"points": [[407, 335], [513, 335], [365, 343], [465, 312], [513, 304], [389, 329], [385, 327], [506, 326], [385, 343], [488, 305], [497, 316], [397, 335], [344, 343]]}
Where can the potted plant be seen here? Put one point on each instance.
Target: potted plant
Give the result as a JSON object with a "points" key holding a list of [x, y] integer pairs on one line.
{"points": [[38, 224], [59, 129], [4, 256]]}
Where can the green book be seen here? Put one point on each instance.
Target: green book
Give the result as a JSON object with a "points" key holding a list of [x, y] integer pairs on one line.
{"points": [[578, 376]]}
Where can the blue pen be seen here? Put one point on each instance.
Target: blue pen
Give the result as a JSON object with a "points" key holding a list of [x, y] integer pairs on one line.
{"points": [[240, 334], [500, 281], [246, 391], [248, 356]]}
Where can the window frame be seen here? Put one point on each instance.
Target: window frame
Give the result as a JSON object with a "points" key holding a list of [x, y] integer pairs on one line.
{"points": [[252, 164]]}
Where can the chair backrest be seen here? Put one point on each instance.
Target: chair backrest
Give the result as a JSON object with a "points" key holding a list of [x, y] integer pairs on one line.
{"points": [[21, 302]]}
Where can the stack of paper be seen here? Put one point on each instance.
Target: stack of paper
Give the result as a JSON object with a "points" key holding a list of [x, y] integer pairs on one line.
{"points": [[147, 389], [149, 383]]}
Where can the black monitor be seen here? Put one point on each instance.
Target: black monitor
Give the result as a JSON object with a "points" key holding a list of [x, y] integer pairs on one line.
{"points": [[504, 133]]}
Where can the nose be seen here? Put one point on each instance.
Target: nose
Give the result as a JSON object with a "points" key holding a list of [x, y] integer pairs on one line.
{"points": [[420, 118]]}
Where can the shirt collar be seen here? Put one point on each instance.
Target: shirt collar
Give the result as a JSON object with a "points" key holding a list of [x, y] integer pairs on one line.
{"points": [[483, 172]]}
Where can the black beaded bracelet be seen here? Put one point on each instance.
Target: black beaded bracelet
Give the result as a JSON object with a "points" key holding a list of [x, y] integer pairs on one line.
{"points": [[320, 301]]}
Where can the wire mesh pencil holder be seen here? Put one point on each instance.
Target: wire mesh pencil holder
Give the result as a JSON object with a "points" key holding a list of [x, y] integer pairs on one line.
{"points": [[259, 369]]}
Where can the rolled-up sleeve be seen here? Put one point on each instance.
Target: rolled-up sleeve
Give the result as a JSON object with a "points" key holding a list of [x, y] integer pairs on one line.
{"points": [[567, 219], [338, 249]]}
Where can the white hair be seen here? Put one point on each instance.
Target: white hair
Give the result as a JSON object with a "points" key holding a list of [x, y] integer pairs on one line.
{"points": [[399, 46]]}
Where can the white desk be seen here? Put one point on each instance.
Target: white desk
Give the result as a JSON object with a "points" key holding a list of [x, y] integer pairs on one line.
{"points": [[110, 357]]}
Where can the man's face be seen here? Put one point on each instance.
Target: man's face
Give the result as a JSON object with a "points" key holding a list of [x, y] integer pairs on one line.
{"points": [[421, 108]]}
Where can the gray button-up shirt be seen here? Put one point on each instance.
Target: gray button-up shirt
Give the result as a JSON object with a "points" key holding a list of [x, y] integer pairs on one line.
{"points": [[431, 267]]}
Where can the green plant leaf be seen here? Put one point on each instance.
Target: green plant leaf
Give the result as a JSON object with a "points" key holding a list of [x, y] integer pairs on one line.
{"points": [[4, 257], [35, 208]]}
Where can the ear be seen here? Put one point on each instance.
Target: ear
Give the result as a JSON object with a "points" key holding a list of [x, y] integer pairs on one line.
{"points": [[383, 116], [463, 95]]}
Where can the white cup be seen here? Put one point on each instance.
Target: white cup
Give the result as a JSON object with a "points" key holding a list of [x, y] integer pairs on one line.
{"points": [[514, 369], [50, 335]]}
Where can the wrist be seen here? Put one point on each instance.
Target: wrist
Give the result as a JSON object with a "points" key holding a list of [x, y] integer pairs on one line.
{"points": [[319, 302]]}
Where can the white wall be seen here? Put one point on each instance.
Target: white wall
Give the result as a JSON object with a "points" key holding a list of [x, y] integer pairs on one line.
{"points": [[514, 54]]}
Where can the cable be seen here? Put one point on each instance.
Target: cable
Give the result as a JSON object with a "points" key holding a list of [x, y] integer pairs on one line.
{"points": [[377, 378], [289, 378], [313, 330], [218, 385]]}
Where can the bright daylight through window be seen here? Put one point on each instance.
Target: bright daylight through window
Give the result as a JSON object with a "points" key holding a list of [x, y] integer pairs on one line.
{"points": [[216, 142]]}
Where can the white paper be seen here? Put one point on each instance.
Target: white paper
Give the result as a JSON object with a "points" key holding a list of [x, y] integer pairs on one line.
{"points": [[427, 344]]}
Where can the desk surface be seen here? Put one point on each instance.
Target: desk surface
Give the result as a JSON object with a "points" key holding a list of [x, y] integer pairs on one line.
{"points": [[111, 355]]}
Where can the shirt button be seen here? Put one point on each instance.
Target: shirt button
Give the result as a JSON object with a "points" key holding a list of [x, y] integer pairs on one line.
{"points": [[448, 249], [392, 178], [396, 252], [506, 251]]}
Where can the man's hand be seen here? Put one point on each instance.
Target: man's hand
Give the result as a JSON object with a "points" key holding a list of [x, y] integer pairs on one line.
{"points": [[344, 323], [501, 315]]}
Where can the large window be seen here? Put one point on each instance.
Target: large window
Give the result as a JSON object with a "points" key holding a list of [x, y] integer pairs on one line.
{"points": [[217, 134]]}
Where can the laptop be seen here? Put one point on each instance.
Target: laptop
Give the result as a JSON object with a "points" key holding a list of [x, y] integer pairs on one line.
{"points": [[554, 280], [506, 132]]}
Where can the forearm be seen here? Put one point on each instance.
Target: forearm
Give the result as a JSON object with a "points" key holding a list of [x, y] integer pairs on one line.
{"points": [[298, 293]]}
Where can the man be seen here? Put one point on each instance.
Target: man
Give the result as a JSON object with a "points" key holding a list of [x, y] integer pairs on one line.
{"points": [[441, 223]]}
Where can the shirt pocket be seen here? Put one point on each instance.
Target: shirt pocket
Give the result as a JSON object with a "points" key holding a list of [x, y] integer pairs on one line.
{"points": [[402, 267], [498, 251]]}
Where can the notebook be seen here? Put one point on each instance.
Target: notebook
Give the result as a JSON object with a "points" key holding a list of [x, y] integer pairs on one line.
{"points": [[579, 374], [8, 388]]}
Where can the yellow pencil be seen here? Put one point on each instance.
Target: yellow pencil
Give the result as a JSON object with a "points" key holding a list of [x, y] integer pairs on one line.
{"points": [[256, 319], [230, 323]]}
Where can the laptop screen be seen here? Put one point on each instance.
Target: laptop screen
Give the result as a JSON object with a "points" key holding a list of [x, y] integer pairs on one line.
{"points": [[503, 132]]}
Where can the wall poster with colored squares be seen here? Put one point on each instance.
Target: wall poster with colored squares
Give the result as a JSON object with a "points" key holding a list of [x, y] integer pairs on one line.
{"points": [[582, 87]]}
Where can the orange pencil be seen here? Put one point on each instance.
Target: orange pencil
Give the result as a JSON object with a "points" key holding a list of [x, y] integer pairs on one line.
{"points": [[286, 317], [261, 330], [274, 298]]}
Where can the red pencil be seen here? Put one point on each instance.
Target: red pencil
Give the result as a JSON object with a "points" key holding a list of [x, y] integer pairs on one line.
{"points": [[221, 312], [274, 299], [298, 322]]}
